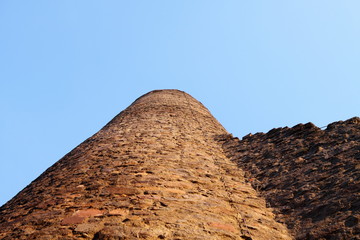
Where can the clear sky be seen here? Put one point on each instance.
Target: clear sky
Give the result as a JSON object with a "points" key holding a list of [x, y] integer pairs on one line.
{"points": [[67, 67]]}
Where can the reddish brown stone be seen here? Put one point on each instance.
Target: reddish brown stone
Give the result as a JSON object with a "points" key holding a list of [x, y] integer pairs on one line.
{"points": [[125, 191], [88, 213], [80, 215], [72, 220], [222, 226], [119, 212], [141, 212]]}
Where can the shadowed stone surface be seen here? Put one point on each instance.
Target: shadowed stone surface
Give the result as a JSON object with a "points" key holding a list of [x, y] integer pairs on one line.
{"points": [[156, 171], [311, 177]]}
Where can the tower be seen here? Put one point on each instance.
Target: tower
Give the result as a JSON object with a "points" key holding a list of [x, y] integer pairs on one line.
{"points": [[156, 171]]}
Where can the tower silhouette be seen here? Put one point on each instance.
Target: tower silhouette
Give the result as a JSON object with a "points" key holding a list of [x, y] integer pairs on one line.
{"points": [[156, 171]]}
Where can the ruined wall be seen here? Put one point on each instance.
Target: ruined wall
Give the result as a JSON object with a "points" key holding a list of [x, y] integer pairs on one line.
{"points": [[311, 177], [154, 172]]}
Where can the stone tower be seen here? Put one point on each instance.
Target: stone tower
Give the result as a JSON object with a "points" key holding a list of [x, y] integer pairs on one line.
{"points": [[156, 171]]}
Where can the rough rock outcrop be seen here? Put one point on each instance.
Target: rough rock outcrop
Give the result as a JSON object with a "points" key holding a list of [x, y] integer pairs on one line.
{"points": [[156, 171], [311, 177]]}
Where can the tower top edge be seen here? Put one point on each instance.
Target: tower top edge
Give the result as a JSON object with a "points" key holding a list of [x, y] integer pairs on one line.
{"points": [[161, 91]]}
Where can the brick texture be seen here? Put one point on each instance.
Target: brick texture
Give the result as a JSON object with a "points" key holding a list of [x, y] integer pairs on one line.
{"points": [[311, 177], [156, 171]]}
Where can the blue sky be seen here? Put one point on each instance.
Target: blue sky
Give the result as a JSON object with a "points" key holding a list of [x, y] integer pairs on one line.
{"points": [[67, 67]]}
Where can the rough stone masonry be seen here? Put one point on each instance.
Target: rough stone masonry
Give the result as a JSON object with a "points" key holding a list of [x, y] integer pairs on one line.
{"points": [[164, 168], [154, 172]]}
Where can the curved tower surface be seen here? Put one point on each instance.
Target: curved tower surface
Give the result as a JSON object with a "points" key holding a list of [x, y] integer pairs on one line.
{"points": [[156, 171]]}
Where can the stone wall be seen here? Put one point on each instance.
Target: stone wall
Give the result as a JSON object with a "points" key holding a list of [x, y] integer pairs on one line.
{"points": [[156, 171], [311, 177]]}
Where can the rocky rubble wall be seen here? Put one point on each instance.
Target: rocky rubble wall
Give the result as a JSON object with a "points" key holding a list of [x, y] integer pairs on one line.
{"points": [[311, 177]]}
